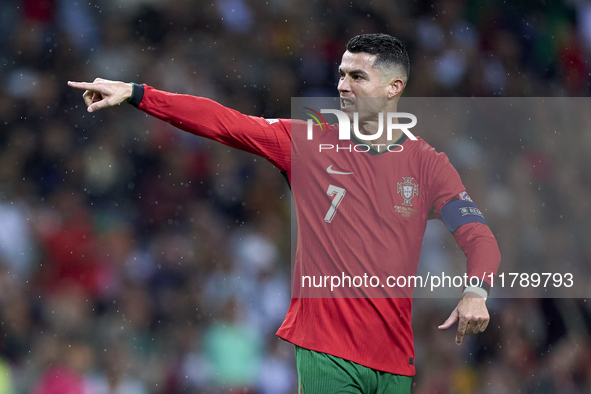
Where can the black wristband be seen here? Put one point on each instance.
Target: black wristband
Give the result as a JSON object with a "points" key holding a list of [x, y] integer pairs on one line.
{"points": [[485, 286], [137, 94]]}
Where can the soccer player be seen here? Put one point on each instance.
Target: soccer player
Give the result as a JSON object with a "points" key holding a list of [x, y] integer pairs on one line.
{"points": [[361, 208]]}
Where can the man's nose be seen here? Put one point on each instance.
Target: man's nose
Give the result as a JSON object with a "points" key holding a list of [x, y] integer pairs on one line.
{"points": [[344, 85]]}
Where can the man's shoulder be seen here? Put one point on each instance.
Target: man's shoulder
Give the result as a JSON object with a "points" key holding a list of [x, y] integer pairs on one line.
{"points": [[429, 157], [278, 120], [285, 122], [425, 149]]}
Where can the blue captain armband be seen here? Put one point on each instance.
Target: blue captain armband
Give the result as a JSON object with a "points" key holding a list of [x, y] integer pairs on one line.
{"points": [[460, 212]]}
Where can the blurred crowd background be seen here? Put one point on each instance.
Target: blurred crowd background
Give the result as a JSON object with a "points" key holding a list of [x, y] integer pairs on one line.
{"points": [[135, 258]]}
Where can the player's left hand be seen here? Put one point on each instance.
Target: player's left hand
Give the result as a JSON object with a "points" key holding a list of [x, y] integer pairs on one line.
{"points": [[471, 314]]}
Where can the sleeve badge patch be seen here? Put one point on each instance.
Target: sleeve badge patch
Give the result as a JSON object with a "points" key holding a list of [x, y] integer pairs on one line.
{"points": [[464, 196]]}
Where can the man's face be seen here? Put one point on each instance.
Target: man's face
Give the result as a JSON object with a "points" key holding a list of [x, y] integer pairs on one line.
{"points": [[362, 87]]}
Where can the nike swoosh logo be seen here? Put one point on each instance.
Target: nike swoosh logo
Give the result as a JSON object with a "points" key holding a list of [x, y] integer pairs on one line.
{"points": [[331, 171]]}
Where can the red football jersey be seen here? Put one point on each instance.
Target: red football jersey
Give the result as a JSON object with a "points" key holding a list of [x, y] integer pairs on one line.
{"points": [[358, 213]]}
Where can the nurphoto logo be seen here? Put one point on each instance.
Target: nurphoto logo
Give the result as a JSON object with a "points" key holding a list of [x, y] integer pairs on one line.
{"points": [[345, 128], [345, 124]]}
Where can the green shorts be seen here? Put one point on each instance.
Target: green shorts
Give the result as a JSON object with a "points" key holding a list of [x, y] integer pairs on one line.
{"points": [[321, 373]]}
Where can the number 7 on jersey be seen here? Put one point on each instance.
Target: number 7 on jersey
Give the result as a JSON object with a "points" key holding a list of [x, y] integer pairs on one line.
{"points": [[338, 193]]}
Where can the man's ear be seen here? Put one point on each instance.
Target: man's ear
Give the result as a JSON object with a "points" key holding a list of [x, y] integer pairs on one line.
{"points": [[395, 87]]}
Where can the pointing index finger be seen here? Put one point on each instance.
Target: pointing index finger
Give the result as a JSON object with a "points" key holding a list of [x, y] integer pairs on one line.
{"points": [[83, 85]]}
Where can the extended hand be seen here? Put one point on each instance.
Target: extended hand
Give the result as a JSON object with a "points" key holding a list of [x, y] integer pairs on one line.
{"points": [[472, 315], [103, 93]]}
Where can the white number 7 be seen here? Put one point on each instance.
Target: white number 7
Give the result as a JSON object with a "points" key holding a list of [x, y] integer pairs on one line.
{"points": [[338, 193]]}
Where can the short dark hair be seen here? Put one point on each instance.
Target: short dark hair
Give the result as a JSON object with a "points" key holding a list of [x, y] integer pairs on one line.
{"points": [[389, 50]]}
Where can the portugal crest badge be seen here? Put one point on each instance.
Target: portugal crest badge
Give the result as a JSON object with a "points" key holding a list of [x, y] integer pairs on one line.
{"points": [[408, 190]]}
